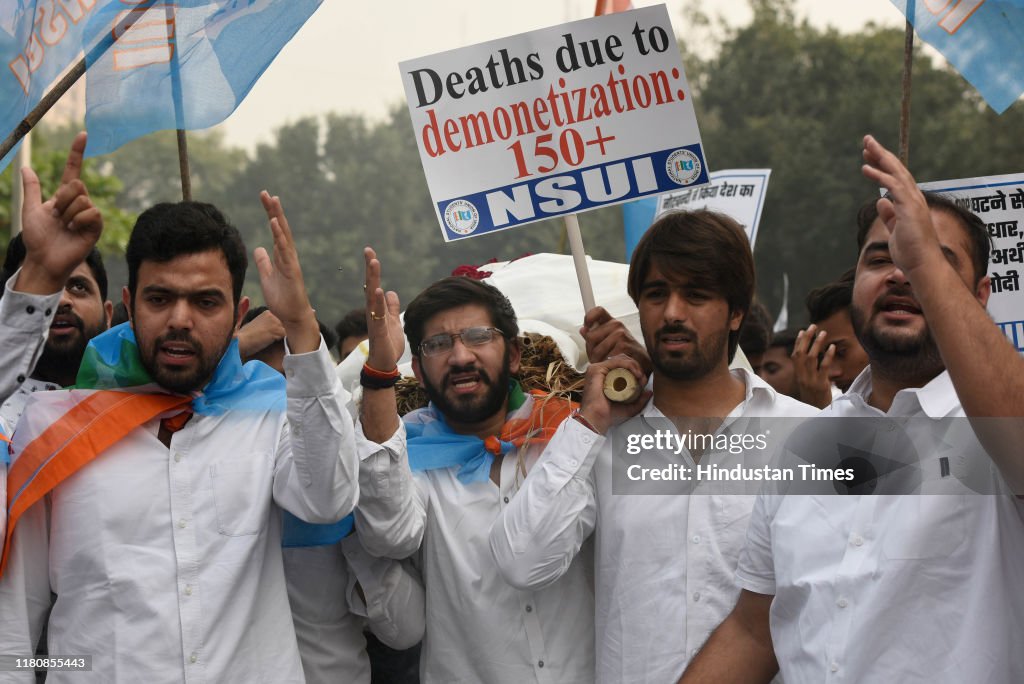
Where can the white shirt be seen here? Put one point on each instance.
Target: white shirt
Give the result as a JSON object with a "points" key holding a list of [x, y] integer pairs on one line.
{"points": [[479, 628], [904, 588], [24, 324], [167, 562], [664, 562], [330, 613]]}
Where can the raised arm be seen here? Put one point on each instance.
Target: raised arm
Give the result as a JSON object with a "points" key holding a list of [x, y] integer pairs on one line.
{"points": [[986, 370], [317, 478], [391, 517]]}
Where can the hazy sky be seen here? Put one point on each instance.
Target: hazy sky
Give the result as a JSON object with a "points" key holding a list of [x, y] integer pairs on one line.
{"points": [[346, 57]]}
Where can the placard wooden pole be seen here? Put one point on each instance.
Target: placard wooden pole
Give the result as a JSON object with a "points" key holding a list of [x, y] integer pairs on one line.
{"points": [[579, 260]]}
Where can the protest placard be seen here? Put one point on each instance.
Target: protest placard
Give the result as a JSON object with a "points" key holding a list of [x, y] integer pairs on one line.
{"points": [[554, 122], [738, 193], [999, 201]]}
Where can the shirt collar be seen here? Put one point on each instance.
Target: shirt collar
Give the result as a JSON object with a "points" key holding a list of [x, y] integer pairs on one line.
{"points": [[754, 388], [937, 399]]}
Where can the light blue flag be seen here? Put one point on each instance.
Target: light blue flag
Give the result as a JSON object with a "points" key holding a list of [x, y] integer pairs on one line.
{"points": [[183, 63], [983, 39], [38, 40], [637, 217]]}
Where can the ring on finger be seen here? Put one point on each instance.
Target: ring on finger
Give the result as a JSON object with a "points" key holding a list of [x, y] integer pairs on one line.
{"points": [[376, 316]]}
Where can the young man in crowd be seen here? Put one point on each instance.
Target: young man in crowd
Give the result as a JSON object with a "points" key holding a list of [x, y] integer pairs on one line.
{"points": [[664, 562], [471, 449], [156, 515], [828, 355], [922, 586], [777, 364]]}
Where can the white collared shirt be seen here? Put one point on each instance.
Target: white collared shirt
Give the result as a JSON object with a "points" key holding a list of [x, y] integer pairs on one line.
{"points": [[166, 562], [24, 324], [478, 627], [897, 588], [664, 562]]}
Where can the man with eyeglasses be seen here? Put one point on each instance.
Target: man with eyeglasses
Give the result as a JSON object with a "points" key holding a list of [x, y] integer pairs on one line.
{"points": [[469, 452]]}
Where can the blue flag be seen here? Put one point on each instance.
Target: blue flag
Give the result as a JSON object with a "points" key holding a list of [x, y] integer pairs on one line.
{"points": [[38, 40], [983, 39], [182, 64]]}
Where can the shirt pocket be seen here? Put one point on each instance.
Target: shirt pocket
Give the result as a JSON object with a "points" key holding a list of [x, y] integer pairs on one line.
{"points": [[925, 526], [241, 494]]}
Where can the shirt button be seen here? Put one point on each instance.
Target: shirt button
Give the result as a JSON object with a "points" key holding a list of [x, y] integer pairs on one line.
{"points": [[857, 540], [506, 499], [188, 590], [48, 312], [529, 609], [696, 596], [177, 457], [834, 667], [574, 463], [182, 523], [696, 539], [21, 378], [540, 663], [30, 309], [193, 658], [842, 603]]}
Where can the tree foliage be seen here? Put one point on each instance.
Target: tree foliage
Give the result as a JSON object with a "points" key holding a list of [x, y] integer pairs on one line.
{"points": [[783, 94]]}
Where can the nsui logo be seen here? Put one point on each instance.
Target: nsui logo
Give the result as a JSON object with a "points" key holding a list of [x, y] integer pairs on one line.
{"points": [[683, 167], [462, 217]]}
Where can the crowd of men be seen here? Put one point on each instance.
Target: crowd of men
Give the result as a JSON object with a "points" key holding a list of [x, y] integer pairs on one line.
{"points": [[193, 496]]}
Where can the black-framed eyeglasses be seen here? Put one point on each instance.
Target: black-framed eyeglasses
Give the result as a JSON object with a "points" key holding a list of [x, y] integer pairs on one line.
{"points": [[471, 337]]}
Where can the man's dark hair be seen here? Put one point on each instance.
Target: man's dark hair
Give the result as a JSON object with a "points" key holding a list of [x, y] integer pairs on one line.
{"points": [[352, 325], [785, 339], [166, 231], [16, 256], [756, 332], [977, 233], [831, 298], [329, 339], [709, 249], [453, 292]]}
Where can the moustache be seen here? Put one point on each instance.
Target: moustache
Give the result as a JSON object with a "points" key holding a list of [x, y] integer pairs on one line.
{"points": [[457, 370], [677, 329]]}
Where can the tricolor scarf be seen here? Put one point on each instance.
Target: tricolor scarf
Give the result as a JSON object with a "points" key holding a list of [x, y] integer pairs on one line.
{"points": [[532, 418], [114, 395]]}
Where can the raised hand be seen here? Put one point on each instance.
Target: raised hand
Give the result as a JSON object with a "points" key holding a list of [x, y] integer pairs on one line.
{"points": [[384, 328], [281, 279], [912, 239], [60, 232], [606, 337], [812, 378]]}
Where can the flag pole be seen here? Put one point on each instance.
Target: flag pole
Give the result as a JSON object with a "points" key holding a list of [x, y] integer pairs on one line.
{"points": [[75, 73], [908, 59], [179, 109]]}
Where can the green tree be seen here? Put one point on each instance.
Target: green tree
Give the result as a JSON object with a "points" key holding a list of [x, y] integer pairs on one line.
{"points": [[49, 154]]}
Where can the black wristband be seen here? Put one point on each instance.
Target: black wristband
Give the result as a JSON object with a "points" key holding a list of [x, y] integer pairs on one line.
{"points": [[370, 382]]}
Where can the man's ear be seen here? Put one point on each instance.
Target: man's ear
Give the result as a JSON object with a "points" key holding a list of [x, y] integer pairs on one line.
{"points": [[108, 310], [243, 308], [126, 299], [515, 355], [416, 370], [983, 290]]}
